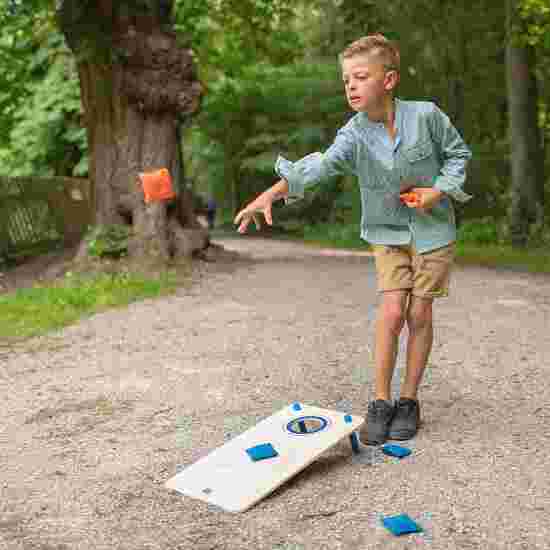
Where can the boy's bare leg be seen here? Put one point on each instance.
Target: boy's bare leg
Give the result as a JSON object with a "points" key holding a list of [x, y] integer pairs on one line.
{"points": [[419, 345], [390, 321]]}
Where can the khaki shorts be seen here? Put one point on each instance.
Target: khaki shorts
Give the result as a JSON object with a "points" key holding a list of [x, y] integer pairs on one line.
{"points": [[426, 275]]}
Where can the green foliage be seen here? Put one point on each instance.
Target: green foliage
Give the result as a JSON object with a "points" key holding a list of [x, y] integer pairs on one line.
{"points": [[40, 101], [108, 241], [536, 14], [18, 26], [260, 165], [504, 256], [47, 137], [271, 90], [462, 69], [235, 42], [227, 35], [479, 232], [40, 110], [247, 121], [338, 235], [536, 260]]}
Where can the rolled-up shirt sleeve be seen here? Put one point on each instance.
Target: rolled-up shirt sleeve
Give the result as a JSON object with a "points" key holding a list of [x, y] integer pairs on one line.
{"points": [[338, 159], [455, 153]]}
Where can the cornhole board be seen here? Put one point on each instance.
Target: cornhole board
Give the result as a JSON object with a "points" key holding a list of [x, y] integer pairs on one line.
{"points": [[227, 477]]}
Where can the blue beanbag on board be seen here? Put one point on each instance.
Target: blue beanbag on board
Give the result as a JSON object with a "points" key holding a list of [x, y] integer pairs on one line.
{"points": [[260, 452]]}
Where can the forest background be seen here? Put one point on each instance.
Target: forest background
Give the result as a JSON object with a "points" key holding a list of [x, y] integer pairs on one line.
{"points": [[272, 86]]}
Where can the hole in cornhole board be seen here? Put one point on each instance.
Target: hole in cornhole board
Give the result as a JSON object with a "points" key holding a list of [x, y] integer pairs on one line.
{"points": [[307, 425]]}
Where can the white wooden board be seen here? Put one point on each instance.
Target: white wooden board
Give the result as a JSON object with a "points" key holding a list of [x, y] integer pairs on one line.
{"points": [[227, 477]]}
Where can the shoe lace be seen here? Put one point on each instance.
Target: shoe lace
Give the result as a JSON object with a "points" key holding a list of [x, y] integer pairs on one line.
{"points": [[407, 406], [378, 409]]}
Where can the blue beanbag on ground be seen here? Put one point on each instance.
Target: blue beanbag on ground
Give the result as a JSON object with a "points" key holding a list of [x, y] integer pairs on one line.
{"points": [[396, 450], [259, 452], [401, 525]]}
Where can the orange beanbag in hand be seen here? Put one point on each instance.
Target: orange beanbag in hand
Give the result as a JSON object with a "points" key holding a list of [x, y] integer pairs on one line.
{"points": [[410, 199], [157, 185]]}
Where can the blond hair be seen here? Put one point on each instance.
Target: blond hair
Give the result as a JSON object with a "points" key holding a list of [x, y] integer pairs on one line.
{"points": [[377, 45]]}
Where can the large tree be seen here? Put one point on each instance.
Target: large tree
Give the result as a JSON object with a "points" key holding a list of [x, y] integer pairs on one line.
{"points": [[138, 83], [527, 161]]}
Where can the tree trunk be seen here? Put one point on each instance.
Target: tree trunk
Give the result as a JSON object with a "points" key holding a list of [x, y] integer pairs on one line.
{"points": [[136, 83], [527, 188], [457, 59]]}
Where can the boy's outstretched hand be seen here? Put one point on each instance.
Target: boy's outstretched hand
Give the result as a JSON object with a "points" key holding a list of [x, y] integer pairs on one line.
{"points": [[261, 205]]}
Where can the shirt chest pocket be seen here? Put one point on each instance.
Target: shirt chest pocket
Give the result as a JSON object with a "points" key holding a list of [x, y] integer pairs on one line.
{"points": [[420, 160]]}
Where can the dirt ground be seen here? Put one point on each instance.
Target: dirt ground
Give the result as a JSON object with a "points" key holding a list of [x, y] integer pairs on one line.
{"points": [[96, 417], [46, 267]]}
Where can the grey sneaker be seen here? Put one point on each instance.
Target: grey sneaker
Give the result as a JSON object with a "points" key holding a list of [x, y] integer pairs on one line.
{"points": [[406, 420], [379, 416]]}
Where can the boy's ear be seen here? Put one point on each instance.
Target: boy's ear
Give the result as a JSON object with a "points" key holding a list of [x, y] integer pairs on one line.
{"points": [[392, 79]]}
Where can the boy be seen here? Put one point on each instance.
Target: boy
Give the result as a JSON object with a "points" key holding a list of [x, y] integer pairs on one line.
{"points": [[392, 146]]}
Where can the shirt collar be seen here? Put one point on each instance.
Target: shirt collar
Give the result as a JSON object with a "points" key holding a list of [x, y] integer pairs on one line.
{"points": [[379, 126], [373, 124]]}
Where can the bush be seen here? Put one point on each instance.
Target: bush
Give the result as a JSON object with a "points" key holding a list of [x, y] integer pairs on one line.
{"points": [[108, 241], [478, 231], [339, 235]]}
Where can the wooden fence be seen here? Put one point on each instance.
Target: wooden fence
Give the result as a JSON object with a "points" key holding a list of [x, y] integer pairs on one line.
{"points": [[39, 213]]}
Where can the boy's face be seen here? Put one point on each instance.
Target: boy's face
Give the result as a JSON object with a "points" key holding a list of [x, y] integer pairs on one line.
{"points": [[367, 81]]}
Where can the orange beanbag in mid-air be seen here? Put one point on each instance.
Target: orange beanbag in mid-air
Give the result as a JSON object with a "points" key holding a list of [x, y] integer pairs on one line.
{"points": [[410, 199], [157, 185]]}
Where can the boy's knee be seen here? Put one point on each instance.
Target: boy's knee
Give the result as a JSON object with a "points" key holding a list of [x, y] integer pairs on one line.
{"points": [[419, 316], [393, 316]]}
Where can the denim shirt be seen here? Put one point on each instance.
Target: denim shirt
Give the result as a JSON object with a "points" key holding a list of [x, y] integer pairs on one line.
{"points": [[427, 151]]}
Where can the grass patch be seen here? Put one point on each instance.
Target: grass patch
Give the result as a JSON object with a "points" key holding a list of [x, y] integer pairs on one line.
{"points": [[477, 250], [533, 261], [33, 311], [325, 235], [335, 236], [487, 254]]}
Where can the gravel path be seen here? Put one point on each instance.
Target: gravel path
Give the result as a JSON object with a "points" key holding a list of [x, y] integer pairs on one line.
{"points": [[97, 417]]}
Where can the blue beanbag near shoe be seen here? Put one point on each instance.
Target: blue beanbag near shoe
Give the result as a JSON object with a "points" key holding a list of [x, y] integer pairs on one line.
{"points": [[396, 450], [259, 452], [401, 525]]}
